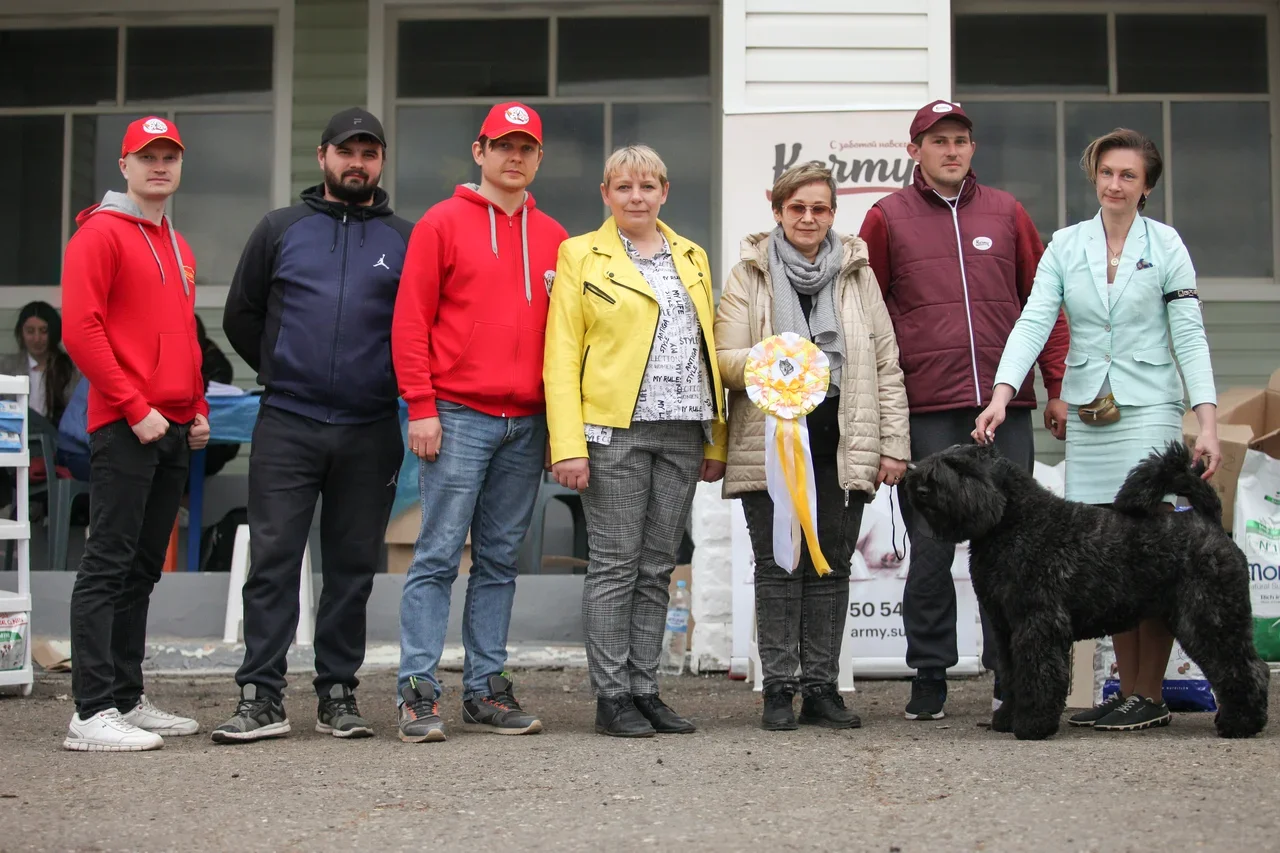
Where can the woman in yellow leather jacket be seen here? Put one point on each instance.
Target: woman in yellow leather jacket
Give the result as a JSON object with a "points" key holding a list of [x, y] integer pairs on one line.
{"points": [[635, 412]]}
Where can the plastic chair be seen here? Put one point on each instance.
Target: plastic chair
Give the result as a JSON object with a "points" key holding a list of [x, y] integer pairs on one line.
{"points": [[61, 491], [548, 491]]}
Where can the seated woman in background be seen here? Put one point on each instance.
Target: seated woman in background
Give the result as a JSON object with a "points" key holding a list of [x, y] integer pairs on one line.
{"points": [[41, 357], [216, 367]]}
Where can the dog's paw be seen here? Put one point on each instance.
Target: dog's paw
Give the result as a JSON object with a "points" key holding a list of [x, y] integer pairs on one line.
{"points": [[1025, 729], [1002, 719]]}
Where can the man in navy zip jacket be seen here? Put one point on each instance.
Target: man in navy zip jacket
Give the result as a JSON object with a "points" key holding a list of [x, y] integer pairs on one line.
{"points": [[310, 310]]}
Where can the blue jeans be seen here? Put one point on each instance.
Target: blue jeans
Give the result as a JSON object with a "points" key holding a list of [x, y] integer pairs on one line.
{"points": [[485, 480]]}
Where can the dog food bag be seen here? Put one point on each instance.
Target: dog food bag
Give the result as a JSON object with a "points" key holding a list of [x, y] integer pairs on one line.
{"points": [[1257, 532], [13, 640], [1185, 687]]}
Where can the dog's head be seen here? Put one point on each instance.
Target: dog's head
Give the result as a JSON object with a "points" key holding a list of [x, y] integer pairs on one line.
{"points": [[955, 492]]}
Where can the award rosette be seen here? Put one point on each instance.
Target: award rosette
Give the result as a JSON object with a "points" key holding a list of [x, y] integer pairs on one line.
{"points": [[787, 377]]}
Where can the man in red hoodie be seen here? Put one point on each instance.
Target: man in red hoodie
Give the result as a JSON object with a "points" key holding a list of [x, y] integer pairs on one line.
{"points": [[467, 340], [128, 302]]}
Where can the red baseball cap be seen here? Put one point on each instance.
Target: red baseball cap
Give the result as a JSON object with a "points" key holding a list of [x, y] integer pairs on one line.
{"points": [[934, 112], [145, 131], [512, 117]]}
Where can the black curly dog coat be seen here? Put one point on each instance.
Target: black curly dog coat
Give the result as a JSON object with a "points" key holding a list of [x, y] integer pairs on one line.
{"points": [[1049, 571]]}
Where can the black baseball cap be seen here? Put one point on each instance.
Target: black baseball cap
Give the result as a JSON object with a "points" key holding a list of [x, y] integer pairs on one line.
{"points": [[353, 122]]}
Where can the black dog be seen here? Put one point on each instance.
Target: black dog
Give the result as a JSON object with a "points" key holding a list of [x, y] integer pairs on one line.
{"points": [[1048, 572]]}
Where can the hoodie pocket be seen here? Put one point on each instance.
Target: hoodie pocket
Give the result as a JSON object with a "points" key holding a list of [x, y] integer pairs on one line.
{"points": [[171, 381]]}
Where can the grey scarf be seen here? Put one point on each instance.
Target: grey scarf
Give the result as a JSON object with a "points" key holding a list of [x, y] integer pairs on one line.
{"points": [[792, 273]]}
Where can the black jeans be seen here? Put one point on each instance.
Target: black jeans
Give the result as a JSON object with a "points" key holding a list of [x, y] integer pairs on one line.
{"points": [[929, 597], [134, 493], [293, 461], [800, 617]]}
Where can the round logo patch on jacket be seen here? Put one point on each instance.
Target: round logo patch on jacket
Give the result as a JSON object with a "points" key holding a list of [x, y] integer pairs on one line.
{"points": [[982, 243]]}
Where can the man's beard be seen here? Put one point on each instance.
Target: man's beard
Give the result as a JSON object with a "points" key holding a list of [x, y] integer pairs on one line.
{"points": [[350, 193]]}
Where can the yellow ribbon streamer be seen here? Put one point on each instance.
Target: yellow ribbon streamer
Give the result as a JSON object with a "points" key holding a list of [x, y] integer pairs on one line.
{"points": [[794, 475]]}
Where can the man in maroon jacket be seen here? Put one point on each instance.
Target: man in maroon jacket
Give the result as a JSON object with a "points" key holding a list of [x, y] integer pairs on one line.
{"points": [[955, 261]]}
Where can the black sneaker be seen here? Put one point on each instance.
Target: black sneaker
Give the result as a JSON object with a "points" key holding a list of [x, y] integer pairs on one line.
{"points": [[255, 718], [499, 712], [779, 712], [1091, 716], [420, 713], [1133, 714], [824, 706], [618, 716], [928, 695], [664, 720], [338, 715]]}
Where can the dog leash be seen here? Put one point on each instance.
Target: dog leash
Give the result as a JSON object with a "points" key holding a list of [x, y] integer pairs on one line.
{"points": [[893, 529]]}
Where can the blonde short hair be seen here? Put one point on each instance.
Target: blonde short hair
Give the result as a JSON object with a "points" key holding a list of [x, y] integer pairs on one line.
{"points": [[636, 159], [791, 181], [1129, 140]]}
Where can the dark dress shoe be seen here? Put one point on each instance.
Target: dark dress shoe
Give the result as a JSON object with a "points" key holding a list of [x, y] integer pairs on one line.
{"points": [[824, 706], [779, 710], [617, 716], [664, 720]]}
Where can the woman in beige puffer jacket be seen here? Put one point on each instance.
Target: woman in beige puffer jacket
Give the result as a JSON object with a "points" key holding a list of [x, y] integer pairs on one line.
{"points": [[859, 434]]}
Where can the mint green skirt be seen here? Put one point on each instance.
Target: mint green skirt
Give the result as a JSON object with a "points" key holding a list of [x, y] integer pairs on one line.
{"points": [[1100, 457]]}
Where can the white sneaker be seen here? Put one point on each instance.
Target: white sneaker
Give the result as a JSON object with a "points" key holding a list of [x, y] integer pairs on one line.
{"points": [[107, 731], [151, 719]]}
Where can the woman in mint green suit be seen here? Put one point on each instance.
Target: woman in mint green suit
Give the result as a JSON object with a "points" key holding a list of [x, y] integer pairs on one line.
{"points": [[1128, 286]]}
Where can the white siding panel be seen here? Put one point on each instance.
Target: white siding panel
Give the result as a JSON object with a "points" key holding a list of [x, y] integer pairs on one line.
{"points": [[856, 7], [814, 96], [824, 65], [780, 55], [845, 31]]}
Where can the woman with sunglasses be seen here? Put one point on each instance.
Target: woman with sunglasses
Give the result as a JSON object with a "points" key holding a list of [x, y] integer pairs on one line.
{"points": [[805, 278]]}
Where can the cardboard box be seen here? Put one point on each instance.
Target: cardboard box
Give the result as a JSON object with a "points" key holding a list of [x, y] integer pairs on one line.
{"points": [[1248, 418], [402, 534], [1081, 695]]}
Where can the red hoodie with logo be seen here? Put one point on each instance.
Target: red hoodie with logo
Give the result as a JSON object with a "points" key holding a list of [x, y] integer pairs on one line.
{"points": [[471, 312], [128, 315]]}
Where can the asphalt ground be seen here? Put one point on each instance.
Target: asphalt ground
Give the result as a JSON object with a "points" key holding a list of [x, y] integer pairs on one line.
{"points": [[893, 785]]}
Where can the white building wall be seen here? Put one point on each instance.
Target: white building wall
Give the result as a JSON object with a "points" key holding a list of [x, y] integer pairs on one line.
{"points": [[822, 55], [801, 56]]}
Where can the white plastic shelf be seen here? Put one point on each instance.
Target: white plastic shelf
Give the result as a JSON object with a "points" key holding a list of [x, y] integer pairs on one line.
{"points": [[15, 676], [15, 385], [10, 529], [15, 459], [11, 602]]}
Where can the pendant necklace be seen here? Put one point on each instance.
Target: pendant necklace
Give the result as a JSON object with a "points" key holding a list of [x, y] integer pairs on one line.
{"points": [[1115, 256]]}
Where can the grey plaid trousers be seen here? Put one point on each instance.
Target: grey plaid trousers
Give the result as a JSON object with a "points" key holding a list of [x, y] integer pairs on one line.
{"points": [[639, 497]]}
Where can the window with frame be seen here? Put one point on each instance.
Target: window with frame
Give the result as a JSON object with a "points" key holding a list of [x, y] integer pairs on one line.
{"points": [[66, 96], [447, 76], [1040, 87]]}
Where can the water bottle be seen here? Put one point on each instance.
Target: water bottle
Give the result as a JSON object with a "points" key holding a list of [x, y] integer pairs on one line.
{"points": [[675, 640]]}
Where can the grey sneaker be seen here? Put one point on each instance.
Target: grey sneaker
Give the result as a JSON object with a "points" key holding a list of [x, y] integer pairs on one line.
{"points": [[338, 715], [420, 713], [255, 718], [1135, 714], [499, 712], [1092, 715]]}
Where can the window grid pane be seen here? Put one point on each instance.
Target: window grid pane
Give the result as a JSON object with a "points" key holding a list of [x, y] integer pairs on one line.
{"points": [[1184, 54], [1023, 52], [199, 64], [58, 68], [677, 57], [30, 232], [496, 57], [1221, 185]]}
